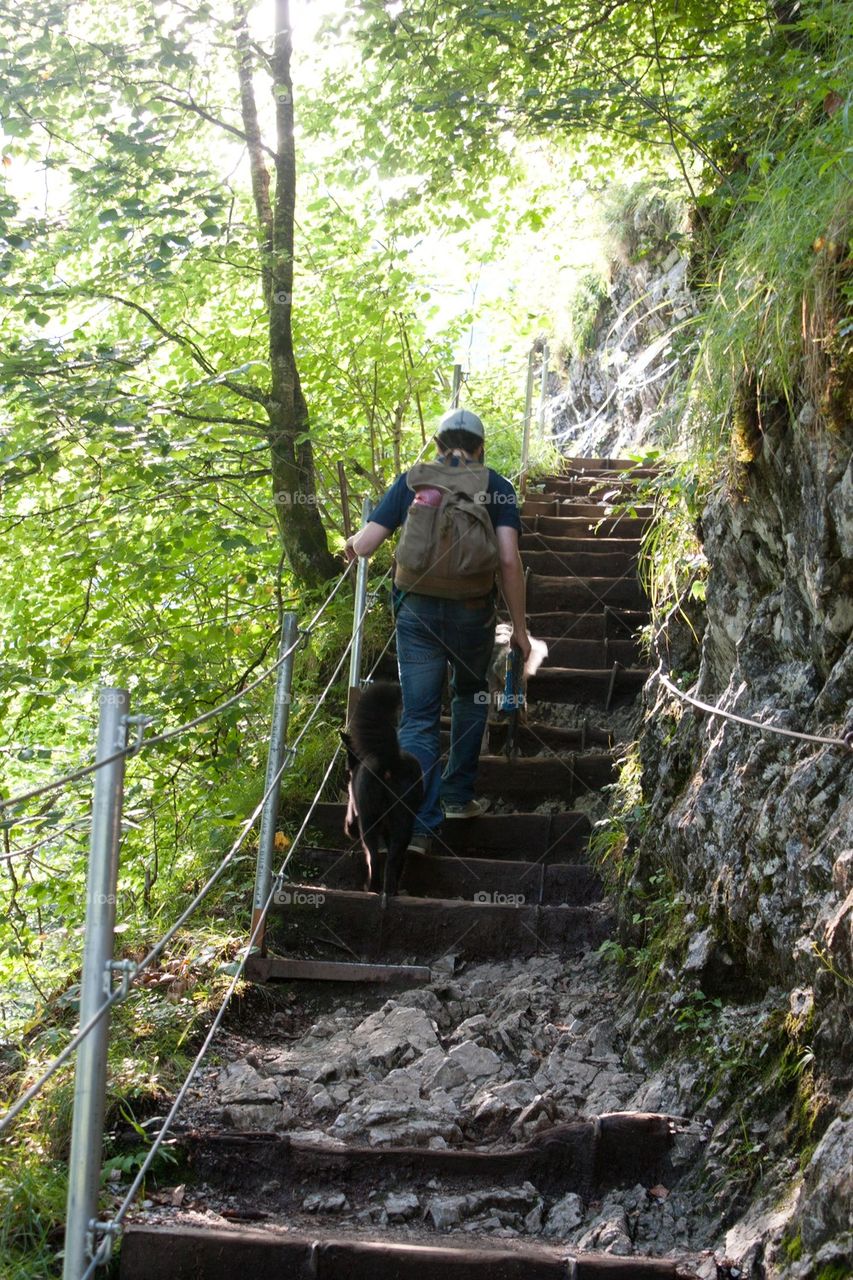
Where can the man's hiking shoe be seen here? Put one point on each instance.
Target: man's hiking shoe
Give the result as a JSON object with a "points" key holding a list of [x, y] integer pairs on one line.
{"points": [[473, 809], [418, 844]]}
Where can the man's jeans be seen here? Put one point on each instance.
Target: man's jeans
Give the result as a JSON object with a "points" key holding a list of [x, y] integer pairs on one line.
{"points": [[430, 633]]}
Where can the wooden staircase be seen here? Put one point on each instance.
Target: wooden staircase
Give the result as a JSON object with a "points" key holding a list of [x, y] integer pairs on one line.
{"points": [[509, 884]]}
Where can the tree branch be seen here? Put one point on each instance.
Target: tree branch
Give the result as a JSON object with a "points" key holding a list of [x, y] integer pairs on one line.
{"points": [[192, 105], [251, 125], [241, 389]]}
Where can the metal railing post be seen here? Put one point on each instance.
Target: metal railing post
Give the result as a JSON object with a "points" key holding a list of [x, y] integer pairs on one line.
{"points": [[87, 1133], [354, 688], [528, 414], [543, 389], [456, 386], [275, 760]]}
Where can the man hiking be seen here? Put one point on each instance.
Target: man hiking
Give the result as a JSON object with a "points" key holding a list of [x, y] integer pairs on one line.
{"points": [[461, 526]]}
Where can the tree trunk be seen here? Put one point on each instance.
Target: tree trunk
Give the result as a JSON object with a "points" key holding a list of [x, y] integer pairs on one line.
{"points": [[300, 524]]}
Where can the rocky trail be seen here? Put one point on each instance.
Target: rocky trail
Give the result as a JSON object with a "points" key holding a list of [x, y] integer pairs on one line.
{"points": [[452, 1089]]}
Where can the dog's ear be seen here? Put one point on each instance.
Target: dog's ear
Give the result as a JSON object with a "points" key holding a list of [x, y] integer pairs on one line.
{"points": [[352, 758]]}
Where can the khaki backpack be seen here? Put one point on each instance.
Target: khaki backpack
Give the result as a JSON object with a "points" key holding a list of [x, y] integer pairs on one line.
{"points": [[449, 549]]}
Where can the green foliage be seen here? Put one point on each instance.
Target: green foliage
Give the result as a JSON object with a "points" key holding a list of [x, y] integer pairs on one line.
{"points": [[32, 1211], [645, 218], [834, 1271], [138, 521], [612, 840], [792, 1246], [625, 79], [585, 306], [777, 316], [671, 552], [698, 1015]]}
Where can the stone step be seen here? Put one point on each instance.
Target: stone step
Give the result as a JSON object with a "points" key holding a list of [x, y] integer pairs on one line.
{"points": [[547, 593], [221, 1253], [473, 879], [579, 564], [575, 526], [305, 918], [562, 836]]}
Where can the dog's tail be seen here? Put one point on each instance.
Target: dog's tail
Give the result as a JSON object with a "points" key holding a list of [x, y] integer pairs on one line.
{"points": [[373, 729]]}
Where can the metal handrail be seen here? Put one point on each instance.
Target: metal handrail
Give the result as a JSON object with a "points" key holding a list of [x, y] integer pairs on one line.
{"points": [[144, 743], [110, 1229], [710, 709], [97, 971], [157, 949]]}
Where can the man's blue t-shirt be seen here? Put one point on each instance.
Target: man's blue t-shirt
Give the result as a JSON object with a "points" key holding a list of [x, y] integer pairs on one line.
{"points": [[501, 502]]}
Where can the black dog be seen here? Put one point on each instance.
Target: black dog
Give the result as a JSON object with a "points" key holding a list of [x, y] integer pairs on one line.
{"points": [[385, 786]]}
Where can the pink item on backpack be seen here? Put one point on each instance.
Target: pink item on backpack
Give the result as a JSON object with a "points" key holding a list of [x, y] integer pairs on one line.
{"points": [[427, 497]]}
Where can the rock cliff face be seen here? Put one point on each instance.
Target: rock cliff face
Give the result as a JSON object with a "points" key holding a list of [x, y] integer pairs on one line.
{"points": [[610, 402], [740, 905], [756, 830]]}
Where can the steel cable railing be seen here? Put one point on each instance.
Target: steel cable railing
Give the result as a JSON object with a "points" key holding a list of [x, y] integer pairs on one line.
{"points": [[131, 972], [710, 709], [145, 743], [153, 954], [130, 978], [110, 1229], [664, 676], [121, 991]]}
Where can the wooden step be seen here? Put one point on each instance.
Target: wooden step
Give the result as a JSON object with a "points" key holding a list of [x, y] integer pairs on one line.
{"points": [[579, 564], [528, 743], [569, 652], [618, 1148], [538, 765], [591, 682], [574, 526], [265, 968], [539, 739], [529, 780], [223, 1253], [512, 835], [309, 919], [615, 623], [581, 477], [593, 487], [583, 466], [562, 684], [428, 876], [591, 545], [547, 593], [534, 738], [593, 511]]}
